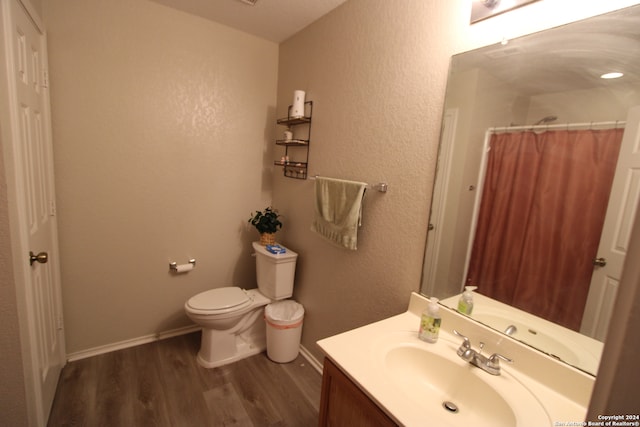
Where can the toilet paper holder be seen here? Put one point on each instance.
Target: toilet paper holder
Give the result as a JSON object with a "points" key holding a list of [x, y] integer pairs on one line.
{"points": [[174, 265]]}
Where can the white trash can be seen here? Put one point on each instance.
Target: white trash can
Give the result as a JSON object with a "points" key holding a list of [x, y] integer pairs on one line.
{"points": [[284, 329]]}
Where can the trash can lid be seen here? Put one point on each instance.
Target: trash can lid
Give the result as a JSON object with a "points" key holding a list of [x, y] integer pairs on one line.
{"points": [[284, 311]]}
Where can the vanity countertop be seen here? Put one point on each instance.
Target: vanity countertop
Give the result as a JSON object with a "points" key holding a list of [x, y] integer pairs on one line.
{"points": [[561, 390]]}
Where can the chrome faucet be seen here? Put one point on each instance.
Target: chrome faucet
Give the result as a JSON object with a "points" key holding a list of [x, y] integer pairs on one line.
{"points": [[489, 364], [511, 329]]}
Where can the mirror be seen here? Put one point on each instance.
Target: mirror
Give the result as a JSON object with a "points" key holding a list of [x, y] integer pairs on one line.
{"points": [[542, 84]]}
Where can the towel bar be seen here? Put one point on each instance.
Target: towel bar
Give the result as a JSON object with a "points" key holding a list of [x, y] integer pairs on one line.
{"points": [[382, 187]]}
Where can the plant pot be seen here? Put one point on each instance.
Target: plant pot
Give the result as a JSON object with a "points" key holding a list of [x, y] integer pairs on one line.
{"points": [[267, 239]]}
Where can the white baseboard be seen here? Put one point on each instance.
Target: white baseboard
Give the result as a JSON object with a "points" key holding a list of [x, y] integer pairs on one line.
{"points": [[95, 351], [131, 343], [317, 365]]}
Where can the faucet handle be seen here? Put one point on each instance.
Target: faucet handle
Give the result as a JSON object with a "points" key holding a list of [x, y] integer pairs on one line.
{"points": [[494, 360], [466, 343], [465, 351]]}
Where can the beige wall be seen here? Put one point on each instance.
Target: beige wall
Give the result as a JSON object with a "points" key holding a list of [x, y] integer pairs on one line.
{"points": [[376, 71], [163, 130], [107, 57], [161, 123], [584, 106]]}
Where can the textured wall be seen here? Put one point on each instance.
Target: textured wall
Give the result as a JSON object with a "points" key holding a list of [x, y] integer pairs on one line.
{"points": [[73, 80], [160, 129], [376, 71], [163, 136]]}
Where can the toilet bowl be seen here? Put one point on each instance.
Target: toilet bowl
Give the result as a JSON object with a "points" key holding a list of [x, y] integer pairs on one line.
{"points": [[229, 332], [232, 319]]}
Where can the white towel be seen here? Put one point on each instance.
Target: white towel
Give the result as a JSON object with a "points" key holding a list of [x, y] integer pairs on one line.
{"points": [[338, 210]]}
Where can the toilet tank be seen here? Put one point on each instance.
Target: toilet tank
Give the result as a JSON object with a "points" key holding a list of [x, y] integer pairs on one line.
{"points": [[275, 272]]}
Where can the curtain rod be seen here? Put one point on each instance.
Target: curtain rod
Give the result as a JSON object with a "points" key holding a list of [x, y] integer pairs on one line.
{"points": [[382, 187], [567, 126]]}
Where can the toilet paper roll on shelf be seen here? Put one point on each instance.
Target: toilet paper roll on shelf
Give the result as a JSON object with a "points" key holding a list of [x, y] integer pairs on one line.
{"points": [[182, 268], [297, 109]]}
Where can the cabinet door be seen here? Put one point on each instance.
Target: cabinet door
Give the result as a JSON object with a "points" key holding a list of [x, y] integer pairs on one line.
{"points": [[342, 403]]}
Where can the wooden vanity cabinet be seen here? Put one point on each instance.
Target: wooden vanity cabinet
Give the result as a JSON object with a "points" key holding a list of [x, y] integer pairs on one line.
{"points": [[342, 403]]}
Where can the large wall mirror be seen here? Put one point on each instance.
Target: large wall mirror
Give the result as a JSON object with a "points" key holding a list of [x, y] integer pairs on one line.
{"points": [[538, 183]]}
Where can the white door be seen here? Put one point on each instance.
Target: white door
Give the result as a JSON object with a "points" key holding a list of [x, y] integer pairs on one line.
{"points": [[621, 212], [436, 249], [31, 198]]}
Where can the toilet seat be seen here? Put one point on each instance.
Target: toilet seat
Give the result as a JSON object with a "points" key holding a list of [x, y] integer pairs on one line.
{"points": [[219, 301]]}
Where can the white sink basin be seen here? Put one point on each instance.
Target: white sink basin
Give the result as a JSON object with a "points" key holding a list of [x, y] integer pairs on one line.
{"points": [[448, 385], [450, 390]]}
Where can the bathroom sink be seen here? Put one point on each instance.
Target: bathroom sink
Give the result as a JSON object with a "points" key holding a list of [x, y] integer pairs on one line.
{"points": [[452, 391], [449, 387]]}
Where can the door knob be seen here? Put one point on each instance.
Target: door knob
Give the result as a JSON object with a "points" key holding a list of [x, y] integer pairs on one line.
{"points": [[42, 257], [599, 262]]}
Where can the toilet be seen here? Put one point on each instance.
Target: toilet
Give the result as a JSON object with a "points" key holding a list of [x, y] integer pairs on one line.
{"points": [[232, 319]]}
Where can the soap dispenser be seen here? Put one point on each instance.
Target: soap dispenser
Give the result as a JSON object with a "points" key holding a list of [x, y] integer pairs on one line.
{"points": [[465, 303], [430, 322]]}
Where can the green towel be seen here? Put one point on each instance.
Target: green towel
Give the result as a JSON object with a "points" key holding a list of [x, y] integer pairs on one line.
{"points": [[338, 210]]}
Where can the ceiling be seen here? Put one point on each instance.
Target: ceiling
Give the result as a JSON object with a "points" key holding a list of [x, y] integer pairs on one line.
{"points": [[274, 20], [570, 57]]}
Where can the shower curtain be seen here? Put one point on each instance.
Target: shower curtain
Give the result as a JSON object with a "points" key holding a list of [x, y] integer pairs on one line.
{"points": [[541, 215]]}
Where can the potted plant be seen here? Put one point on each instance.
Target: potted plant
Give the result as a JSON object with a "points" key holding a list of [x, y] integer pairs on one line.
{"points": [[267, 223]]}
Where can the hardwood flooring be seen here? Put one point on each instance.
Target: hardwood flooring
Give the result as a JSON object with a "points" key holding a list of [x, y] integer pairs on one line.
{"points": [[161, 384]]}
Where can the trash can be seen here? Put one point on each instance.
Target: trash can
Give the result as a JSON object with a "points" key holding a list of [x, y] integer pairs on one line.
{"points": [[284, 329]]}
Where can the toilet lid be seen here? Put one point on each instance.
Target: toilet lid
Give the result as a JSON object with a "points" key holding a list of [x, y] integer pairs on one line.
{"points": [[220, 299]]}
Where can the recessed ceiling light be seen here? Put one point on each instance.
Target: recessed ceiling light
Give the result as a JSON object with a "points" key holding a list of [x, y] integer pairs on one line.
{"points": [[613, 75]]}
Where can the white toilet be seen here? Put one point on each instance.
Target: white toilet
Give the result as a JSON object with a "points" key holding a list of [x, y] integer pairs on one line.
{"points": [[232, 318]]}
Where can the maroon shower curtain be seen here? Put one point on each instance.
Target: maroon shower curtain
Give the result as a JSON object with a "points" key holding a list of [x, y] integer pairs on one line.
{"points": [[543, 205]]}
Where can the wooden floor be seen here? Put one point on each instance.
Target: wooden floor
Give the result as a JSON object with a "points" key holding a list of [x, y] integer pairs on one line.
{"points": [[160, 384]]}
